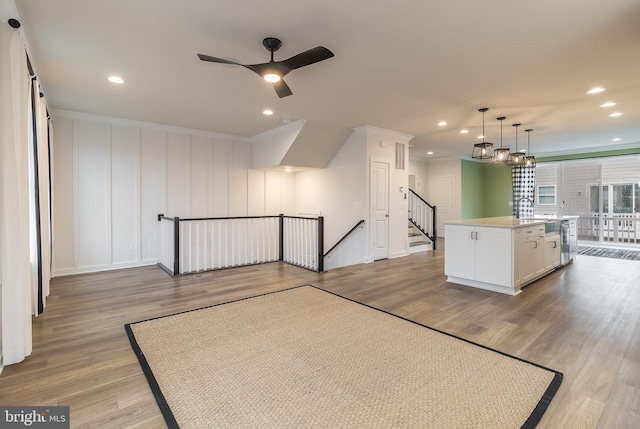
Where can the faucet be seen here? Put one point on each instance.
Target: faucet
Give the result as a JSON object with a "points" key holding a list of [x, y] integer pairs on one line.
{"points": [[518, 205]]}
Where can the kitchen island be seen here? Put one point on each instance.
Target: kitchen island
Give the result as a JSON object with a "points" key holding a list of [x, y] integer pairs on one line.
{"points": [[501, 254]]}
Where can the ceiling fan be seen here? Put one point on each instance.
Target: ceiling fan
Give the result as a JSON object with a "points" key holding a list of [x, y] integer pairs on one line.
{"points": [[275, 71]]}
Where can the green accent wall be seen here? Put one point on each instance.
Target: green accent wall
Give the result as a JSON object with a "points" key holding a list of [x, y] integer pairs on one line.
{"points": [[472, 194], [485, 190], [496, 179]]}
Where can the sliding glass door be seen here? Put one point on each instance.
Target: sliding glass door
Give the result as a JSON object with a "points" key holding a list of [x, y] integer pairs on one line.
{"points": [[604, 193]]}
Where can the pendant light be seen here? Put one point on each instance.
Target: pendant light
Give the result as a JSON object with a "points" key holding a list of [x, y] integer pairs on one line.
{"points": [[518, 157], [482, 150], [502, 154], [529, 160]]}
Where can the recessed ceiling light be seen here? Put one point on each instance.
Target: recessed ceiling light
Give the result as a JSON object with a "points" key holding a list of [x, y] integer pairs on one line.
{"points": [[115, 79], [617, 139], [608, 104], [267, 112], [595, 90], [480, 137], [288, 170], [429, 153], [464, 131], [442, 123], [613, 115]]}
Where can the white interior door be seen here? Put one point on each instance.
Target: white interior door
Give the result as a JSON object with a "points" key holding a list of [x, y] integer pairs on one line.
{"points": [[379, 197], [441, 195]]}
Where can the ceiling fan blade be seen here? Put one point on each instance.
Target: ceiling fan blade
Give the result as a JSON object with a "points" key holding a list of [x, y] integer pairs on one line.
{"points": [[282, 89], [217, 60], [314, 55]]}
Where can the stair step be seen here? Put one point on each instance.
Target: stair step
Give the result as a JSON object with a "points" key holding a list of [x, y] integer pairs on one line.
{"points": [[414, 234], [418, 243]]}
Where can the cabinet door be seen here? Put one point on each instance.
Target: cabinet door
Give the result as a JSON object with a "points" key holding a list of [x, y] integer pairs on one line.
{"points": [[517, 256], [527, 254], [539, 264], [494, 256], [459, 251], [552, 253]]}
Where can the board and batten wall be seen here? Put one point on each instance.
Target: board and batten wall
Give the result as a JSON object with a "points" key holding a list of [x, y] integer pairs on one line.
{"points": [[112, 177]]}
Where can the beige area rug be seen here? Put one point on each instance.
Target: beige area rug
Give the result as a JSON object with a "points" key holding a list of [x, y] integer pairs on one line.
{"points": [[307, 358]]}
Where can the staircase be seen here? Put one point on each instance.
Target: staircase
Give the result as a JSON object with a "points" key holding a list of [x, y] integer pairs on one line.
{"points": [[422, 224], [418, 242]]}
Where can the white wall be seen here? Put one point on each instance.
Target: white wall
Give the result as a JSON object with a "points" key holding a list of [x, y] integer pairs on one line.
{"points": [[418, 168], [442, 167], [112, 177], [337, 193], [381, 145], [340, 192]]}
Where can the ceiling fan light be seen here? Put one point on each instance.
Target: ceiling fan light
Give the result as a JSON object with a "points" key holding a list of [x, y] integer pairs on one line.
{"points": [[271, 77]]}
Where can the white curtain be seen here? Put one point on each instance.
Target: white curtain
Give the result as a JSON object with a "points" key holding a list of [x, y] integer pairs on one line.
{"points": [[44, 156], [15, 268]]}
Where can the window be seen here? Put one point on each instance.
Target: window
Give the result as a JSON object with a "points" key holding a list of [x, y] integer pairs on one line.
{"points": [[594, 199], [547, 195], [616, 199], [623, 198]]}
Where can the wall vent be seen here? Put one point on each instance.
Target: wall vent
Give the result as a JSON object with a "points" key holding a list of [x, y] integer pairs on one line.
{"points": [[400, 156]]}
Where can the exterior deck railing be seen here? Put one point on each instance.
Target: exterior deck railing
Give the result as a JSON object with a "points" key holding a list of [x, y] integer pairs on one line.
{"points": [[620, 228]]}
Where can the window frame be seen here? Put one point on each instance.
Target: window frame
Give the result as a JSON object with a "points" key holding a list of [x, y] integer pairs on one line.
{"points": [[540, 194]]}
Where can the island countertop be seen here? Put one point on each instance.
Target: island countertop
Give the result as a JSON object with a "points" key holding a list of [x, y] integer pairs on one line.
{"points": [[501, 222]]}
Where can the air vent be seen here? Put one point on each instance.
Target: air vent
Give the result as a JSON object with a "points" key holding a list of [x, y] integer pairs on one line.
{"points": [[400, 156]]}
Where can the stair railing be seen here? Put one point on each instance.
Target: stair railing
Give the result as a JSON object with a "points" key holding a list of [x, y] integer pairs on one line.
{"points": [[344, 237], [204, 244], [424, 217]]}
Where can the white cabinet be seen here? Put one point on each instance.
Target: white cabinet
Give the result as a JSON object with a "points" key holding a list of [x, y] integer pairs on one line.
{"points": [[499, 258], [532, 252], [552, 252], [482, 254], [517, 257], [459, 251]]}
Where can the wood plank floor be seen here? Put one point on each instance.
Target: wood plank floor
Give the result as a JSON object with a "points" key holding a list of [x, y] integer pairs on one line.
{"points": [[582, 320]]}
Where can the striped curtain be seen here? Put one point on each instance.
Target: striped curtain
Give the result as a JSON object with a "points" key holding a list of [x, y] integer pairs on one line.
{"points": [[523, 179]]}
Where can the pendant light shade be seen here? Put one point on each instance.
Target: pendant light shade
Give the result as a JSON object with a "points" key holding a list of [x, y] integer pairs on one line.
{"points": [[482, 150], [517, 158], [503, 154], [529, 160]]}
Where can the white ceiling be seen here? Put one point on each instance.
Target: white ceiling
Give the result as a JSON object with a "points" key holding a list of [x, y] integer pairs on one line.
{"points": [[402, 65]]}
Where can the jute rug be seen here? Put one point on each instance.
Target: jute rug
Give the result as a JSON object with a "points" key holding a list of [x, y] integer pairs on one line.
{"points": [[306, 358]]}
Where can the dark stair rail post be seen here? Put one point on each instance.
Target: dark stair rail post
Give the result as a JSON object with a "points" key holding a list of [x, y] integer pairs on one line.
{"points": [[434, 245], [176, 246], [281, 238], [320, 244]]}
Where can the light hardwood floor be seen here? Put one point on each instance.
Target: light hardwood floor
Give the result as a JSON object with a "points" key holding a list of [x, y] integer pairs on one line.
{"points": [[582, 320]]}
